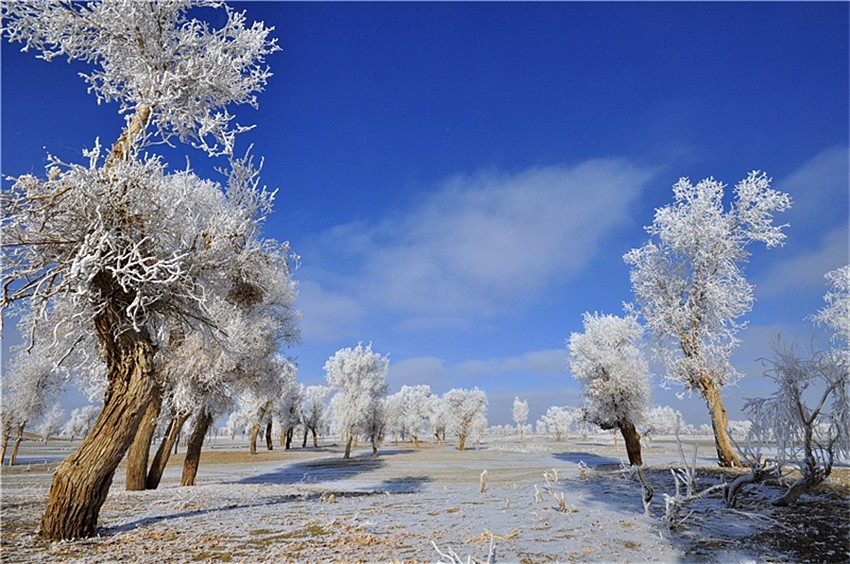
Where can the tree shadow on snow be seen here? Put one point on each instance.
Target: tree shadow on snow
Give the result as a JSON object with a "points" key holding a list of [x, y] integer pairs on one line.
{"points": [[317, 471], [594, 461], [405, 484]]}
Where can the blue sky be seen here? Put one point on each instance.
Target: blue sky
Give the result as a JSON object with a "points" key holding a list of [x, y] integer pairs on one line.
{"points": [[462, 179]]}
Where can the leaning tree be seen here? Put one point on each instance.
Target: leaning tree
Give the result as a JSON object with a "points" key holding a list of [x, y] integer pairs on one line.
{"points": [[609, 363], [130, 245], [690, 287]]}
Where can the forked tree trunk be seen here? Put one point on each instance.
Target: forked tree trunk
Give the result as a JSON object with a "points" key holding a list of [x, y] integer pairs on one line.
{"points": [[18, 438], [82, 480], [726, 455], [160, 459], [269, 441], [137, 457], [193, 448], [632, 439]]}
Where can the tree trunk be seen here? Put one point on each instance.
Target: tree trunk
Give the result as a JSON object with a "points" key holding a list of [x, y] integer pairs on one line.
{"points": [[255, 431], [289, 433], [306, 432], [315, 438], [632, 439], [82, 480], [160, 459], [8, 435], [348, 446], [461, 443], [269, 439], [18, 438], [282, 436], [193, 448], [137, 457], [726, 455], [374, 440]]}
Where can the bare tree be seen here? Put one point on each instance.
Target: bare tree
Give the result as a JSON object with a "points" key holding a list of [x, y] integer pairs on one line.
{"points": [[690, 288]]}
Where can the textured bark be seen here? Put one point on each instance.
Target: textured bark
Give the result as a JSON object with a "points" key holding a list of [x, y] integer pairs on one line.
{"points": [[160, 459], [193, 448], [7, 436], [18, 438], [461, 443], [137, 457], [726, 454], [255, 432], [82, 480], [632, 439]]}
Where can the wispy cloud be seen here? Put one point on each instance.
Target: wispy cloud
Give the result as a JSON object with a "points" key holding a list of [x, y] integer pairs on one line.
{"points": [[328, 316], [545, 362], [482, 244], [818, 234]]}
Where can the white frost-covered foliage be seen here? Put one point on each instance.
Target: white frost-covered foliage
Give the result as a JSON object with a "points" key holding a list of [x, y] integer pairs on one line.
{"points": [[520, 414], [314, 410], [466, 414], [31, 383], [151, 56], [687, 280], [357, 377], [662, 420], [51, 423], [416, 404], [608, 361], [836, 313], [558, 421], [81, 421]]}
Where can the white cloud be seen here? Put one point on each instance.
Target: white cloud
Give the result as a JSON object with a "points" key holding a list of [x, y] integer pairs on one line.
{"points": [[418, 370], [483, 244], [804, 271], [328, 316], [545, 362]]}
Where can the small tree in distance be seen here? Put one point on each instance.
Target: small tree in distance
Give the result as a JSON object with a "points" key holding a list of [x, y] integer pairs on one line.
{"points": [[520, 416], [690, 288], [466, 414], [607, 360], [357, 377]]}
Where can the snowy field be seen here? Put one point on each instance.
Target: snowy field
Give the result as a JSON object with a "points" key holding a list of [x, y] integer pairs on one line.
{"points": [[425, 504]]}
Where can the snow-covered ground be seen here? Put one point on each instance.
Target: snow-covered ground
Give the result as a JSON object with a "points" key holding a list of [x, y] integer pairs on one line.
{"points": [[414, 504]]}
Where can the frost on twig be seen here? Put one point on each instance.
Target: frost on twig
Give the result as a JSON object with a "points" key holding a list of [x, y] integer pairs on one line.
{"points": [[452, 557]]}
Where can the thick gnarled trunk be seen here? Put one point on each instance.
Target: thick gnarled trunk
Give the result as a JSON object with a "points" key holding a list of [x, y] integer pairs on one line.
{"points": [[160, 459], [726, 454], [632, 439], [82, 480], [193, 448], [137, 457]]}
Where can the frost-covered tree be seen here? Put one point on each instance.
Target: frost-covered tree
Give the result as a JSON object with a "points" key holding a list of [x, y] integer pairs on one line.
{"points": [[51, 423], [357, 378], [289, 411], [807, 418], [466, 414], [81, 421], [662, 420], [313, 412], [558, 420], [126, 246], [608, 361], [520, 415], [32, 382], [690, 287], [417, 404]]}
